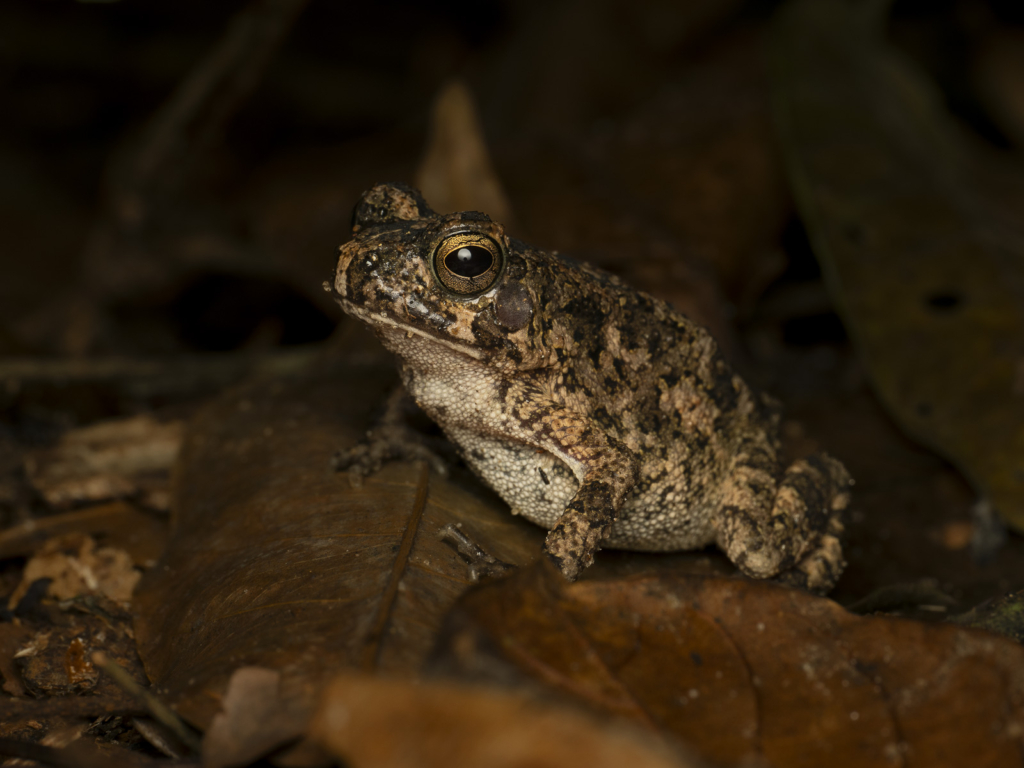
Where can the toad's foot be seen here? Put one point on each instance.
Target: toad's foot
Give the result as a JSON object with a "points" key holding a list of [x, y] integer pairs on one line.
{"points": [[571, 545], [392, 439], [381, 446], [819, 569], [793, 535]]}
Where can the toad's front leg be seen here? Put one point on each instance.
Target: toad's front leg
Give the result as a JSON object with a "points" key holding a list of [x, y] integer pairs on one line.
{"points": [[571, 544], [606, 469], [391, 438]]}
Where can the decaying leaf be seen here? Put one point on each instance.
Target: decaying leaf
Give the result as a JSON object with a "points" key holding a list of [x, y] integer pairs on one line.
{"points": [[277, 561], [929, 283], [77, 567], [254, 720], [741, 669], [456, 173], [119, 524], [107, 460], [379, 723]]}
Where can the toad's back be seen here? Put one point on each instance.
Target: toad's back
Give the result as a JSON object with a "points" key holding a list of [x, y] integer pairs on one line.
{"points": [[648, 378]]}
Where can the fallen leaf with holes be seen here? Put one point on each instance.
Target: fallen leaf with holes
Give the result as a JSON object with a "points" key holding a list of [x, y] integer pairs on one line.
{"points": [[111, 459], [277, 561], [921, 260], [118, 524], [77, 567], [378, 723], [745, 670]]}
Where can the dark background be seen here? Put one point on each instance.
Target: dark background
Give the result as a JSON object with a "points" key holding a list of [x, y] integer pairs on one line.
{"points": [[637, 135], [346, 102]]}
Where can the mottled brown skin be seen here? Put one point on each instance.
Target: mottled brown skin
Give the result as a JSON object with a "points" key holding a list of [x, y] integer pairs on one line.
{"points": [[592, 408]]}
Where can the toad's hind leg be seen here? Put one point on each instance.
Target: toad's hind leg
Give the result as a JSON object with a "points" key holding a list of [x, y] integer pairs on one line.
{"points": [[794, 533]]}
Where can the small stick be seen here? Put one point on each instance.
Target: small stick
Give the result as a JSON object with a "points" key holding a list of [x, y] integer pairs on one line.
{"points": [[70, 706], [40, 753], [160, 711], [481, 562]]}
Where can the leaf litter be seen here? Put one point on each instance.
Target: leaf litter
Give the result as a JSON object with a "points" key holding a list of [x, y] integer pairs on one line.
{"points": [[277, 561], [739, 669], [75, 566], [265, 593], [118, 524], [108, 460], [374, 722]]}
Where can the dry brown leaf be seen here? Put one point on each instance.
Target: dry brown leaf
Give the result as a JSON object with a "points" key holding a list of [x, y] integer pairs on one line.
{"points": [[378, 723], [456, 173], [107, 460], [254, 721], [118, 524], [739, 669], [276, 561], [78, 567]]}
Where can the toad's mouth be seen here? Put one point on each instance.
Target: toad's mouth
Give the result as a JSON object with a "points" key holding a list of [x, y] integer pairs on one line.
{"points": [[378, 319]]}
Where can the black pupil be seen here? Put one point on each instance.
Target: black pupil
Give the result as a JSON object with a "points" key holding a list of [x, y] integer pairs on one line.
{"points": [[469, 261]]}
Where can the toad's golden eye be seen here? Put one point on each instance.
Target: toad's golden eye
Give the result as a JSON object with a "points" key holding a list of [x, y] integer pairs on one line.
{"points": [[468, 263]]}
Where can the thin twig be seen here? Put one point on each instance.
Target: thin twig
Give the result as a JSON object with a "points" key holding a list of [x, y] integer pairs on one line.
{"points": [[160, 711], [142, 377], [70, 707], [210, 94], [40, 753], [88, 757], [892, 597]]}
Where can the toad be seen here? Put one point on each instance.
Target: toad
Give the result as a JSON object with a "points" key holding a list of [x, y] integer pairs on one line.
{"points": [[591, 408]]}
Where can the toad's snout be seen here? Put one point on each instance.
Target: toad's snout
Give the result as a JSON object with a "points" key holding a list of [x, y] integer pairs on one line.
{"points": [[347, 257]]}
